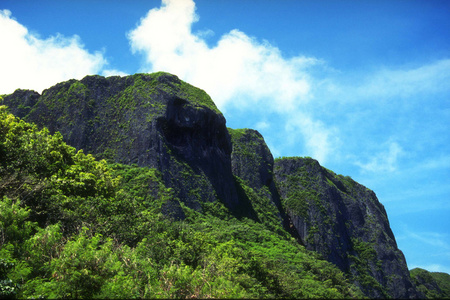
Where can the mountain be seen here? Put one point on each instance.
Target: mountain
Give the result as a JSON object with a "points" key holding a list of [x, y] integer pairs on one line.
{"points": [[151, 120], [170, 157]]}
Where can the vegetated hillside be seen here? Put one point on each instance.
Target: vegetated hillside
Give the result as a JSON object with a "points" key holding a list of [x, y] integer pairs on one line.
{"points": [[203, 210], [434, 285]]}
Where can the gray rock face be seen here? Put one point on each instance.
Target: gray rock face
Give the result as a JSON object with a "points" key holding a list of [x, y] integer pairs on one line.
{"points": [[252, 162], [345, 222], [251, 158], [152, 120]]}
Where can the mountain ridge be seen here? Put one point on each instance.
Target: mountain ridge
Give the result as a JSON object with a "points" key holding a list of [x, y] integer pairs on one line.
{"points": [[158, 121]]}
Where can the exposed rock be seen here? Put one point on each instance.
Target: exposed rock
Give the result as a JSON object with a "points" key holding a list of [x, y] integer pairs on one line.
{"points": [[252, 161], [153, 120], [345, 222]]}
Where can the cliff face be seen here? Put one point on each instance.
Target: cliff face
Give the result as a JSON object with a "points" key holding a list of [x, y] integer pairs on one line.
{"points": [[151, 120], [345, 222], [252, 161], [156, 120]]}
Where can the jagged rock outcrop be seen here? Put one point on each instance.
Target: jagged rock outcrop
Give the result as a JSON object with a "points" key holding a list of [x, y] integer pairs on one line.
{"points": [[252, 161], [252, 165], [153, 120], [345, 222]]}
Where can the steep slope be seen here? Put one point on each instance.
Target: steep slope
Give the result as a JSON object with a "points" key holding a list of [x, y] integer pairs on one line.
{"points": [[252, 165], [151, 120], [345, 222]]}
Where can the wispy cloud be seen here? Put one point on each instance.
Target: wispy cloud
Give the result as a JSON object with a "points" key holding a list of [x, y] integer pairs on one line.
{"points": [[433, 244], [318, 139], [30, 62], [262, 125], [406, 82], [317, 103], [385, 161], [322, 110], [419, 185], [113, 72], [387, 82], [430, 238]]}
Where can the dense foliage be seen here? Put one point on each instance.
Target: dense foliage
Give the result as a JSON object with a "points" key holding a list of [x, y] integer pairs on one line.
{"points": [[75, 227], [434, 285]]}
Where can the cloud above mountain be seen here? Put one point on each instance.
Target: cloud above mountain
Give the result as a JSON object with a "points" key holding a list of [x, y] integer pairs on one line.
{"points": [[316, 103], [237, 71], [31, 62], [237, 66], [298, 102]]}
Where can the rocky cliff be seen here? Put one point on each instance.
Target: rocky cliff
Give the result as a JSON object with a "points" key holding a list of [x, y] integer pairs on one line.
{"points": [[151, 120], [159, 121], [345, 222]]}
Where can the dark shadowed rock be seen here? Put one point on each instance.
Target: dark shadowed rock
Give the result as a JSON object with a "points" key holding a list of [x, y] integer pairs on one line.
{"points": [[253, 162]]}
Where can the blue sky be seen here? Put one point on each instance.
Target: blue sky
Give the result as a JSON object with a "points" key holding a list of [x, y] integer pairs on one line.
{"points": [[362, 86]]}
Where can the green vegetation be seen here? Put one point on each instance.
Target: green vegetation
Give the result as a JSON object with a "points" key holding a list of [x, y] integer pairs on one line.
{"points": [[303, 192], [197, 96], [266, 212], [434, 285], [366, 257], [75, 227], [314, 196]]}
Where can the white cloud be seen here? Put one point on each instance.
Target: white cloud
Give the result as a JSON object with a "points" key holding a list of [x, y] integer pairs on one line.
{"points": [[405, 82], [314, 101], [29, 62], [113, 72], [238, 66], [319, 140], [385, 161], [435, 268], [431, 238], [239, 71], [435, 244], [388, 83], [261, 125], [432, 268]]}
